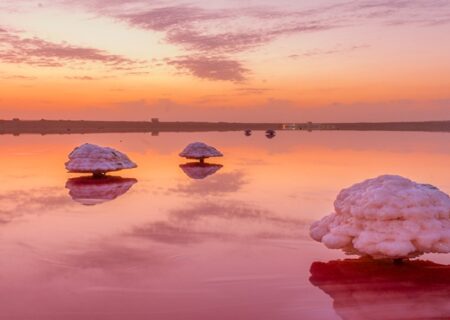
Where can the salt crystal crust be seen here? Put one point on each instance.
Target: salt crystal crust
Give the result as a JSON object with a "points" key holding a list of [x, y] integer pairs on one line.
{"points": [[95, 159], [200, 150], [387, 217]]}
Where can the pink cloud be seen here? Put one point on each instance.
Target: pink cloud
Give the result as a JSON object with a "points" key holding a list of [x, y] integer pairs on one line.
{"points": [[252, 91], [17, 77], [229, 31], [338, 49], [211, 67], [34, 51], [224, 42], [87, 78], [192, 27], [166, 18]]}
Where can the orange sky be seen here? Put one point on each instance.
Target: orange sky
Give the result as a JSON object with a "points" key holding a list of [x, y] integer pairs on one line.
{"points": [[225, 60]]}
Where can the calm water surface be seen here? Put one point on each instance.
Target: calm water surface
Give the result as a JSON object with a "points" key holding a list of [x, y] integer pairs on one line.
{"points": [[228, 241]]}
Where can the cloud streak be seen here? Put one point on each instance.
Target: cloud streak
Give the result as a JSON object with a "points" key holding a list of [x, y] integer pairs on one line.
{"points": [[211, 67], [166, 18], [15, 49], [212, 38], [200, 31]]}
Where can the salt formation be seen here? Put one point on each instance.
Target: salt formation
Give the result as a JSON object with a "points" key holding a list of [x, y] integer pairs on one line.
{"points": [[200, 151], [200, 171], [387, 217], [90, 191], [97, 160]]}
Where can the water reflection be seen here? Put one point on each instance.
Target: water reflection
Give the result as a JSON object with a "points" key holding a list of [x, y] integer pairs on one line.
{"points": [[198, 171], [367, 289], [220, 184], [221, 220], [92, 191], [232, 246], [21, 202]]}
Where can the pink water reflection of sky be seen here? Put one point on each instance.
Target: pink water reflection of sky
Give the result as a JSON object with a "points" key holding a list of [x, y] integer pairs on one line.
{"points": [[234, 245]]}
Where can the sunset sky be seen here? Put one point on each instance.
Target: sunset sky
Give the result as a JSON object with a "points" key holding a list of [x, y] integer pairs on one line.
{"points": [[225, 60]]}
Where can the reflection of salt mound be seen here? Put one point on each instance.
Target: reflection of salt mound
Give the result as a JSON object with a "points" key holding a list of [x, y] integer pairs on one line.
{"points": [[92, 191], [367, 289], [199, 171], [388, 216]]}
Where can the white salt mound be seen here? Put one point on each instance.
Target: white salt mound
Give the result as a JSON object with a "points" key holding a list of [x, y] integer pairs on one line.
{"points": [[95, 159], [387, 217], [200, 150]]}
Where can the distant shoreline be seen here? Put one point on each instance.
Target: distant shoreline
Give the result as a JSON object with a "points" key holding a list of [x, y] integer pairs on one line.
{"points": [[43, 127]]}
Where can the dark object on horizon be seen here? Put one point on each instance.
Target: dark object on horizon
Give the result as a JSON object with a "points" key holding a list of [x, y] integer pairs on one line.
{"points": [[248, 132], [270, 133], [414, 289], [198, 171], [91, 191]]}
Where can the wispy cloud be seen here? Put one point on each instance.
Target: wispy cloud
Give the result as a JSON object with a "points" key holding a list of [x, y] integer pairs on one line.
{"points": [[166, 18], [17, 77], [222, 42], [38, 52], [211, 67], [252, 91], [200, 31], [338, 49], [86, 78], [217, 35]]}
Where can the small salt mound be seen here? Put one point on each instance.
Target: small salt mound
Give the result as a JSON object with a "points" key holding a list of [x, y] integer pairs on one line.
{"points": [[200, 151], [387, 217]]}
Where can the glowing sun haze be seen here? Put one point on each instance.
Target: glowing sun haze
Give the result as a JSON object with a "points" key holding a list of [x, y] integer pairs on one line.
{"points": [[252, 60]]}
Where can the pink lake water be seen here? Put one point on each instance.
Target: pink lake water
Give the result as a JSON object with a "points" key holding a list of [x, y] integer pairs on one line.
{"points": [[223, 242]]}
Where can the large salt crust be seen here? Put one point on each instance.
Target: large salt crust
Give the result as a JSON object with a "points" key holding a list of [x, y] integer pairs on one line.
{"points": [[387, 217], [98, 160]]}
